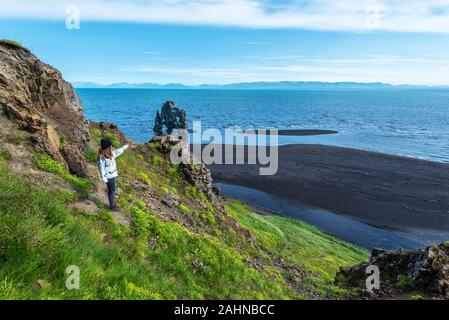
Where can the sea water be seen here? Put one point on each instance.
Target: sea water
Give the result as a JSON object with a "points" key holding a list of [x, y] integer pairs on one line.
{"points": [[407, 122]]}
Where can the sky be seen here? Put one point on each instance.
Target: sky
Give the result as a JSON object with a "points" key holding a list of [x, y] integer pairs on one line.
{"points": [[227, 41]]}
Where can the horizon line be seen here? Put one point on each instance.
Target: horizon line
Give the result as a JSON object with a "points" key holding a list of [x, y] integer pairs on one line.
{"points": [[77, 84]]}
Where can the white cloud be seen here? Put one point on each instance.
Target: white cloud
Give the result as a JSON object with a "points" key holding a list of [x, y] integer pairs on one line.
{"points": [[221, 73], [348, 15]]}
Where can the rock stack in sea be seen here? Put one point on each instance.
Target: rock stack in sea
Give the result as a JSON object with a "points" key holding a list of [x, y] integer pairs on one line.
{"points": [[171, 117]]}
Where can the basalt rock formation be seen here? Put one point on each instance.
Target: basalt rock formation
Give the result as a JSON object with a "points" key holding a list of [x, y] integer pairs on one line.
{"points": [[35, 96], [171, 117], [424, 270], [158, 125], [196, 174]]}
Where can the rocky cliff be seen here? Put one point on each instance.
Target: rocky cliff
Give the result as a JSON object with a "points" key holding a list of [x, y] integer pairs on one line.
{"points": [[35, 96]]}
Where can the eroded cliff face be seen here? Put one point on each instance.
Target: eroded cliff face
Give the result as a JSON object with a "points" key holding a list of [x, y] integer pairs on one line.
{"points": [[35, 96]]}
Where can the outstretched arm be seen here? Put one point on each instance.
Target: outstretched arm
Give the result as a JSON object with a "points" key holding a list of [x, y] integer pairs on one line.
{"points": [[118, 152]]}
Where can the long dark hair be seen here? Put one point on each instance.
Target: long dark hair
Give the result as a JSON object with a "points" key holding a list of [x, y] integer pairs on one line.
{"points": [[105, 153]]}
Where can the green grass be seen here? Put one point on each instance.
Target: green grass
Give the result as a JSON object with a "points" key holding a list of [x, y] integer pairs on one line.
{"points": [[155, 146], [165, 190], [5, 154], [301, 244], [66, 196], [192, 193], [185, 209], [46, 163], [40, 236], [130, 164], [12, 43], [178, 252], [403, 283], [91, 155], [63, 139], [157, 161], [115, 141], [97, 135]]}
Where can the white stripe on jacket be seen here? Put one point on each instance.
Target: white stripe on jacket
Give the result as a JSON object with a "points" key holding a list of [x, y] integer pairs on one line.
{"points": [[107, 167]]}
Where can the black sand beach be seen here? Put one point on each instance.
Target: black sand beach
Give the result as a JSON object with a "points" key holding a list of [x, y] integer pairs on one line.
{"points": [[391, 192]]}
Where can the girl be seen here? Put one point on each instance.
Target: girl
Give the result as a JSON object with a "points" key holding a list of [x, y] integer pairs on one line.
{"points": [[108, 168]]}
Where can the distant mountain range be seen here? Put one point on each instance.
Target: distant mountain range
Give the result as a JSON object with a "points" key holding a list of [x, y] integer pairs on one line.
{"points": [[282, 85], [125, 85]]}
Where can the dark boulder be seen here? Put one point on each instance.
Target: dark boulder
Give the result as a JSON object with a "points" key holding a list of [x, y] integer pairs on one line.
{"points": [[423, 270]]}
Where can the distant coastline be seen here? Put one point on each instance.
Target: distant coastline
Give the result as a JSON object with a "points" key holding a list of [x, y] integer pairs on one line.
{"points": [[262, 85]]}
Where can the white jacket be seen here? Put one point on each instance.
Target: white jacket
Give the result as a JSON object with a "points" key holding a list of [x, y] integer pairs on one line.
{"points": [[108, 167]]}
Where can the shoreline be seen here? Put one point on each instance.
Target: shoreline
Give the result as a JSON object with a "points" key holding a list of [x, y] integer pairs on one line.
{"points": [[338, 226], [390, 192]]}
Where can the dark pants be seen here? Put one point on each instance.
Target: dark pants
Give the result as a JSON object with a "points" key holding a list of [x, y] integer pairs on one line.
{"points": [[111, 192]]}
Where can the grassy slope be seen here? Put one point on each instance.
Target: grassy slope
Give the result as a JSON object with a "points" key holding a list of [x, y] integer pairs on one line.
{"points": [[299, 243], [41, 234]]}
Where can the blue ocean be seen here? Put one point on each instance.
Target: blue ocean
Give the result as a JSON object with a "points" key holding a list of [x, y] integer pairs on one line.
{"points": [[407, 122]]}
